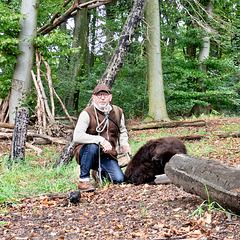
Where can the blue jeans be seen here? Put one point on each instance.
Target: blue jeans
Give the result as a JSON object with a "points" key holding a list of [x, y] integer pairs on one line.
{"points": [[89, 160]]}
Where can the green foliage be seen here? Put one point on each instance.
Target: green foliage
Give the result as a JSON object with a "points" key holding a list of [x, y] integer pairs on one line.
{"points": [[27, 179], [9, 29], [208, 206], [186, 85], [181, 38], [58, 44], [130, 87]]}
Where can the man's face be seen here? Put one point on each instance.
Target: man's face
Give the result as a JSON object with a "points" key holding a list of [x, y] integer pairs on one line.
{"points": [[102, 99]]}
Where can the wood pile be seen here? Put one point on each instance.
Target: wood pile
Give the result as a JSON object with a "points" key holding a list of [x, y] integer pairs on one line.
{"points": [[4, 109], [46, 122]]}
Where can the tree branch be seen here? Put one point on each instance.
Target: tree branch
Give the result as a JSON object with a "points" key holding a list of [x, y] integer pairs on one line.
{"points": [[56, 21]]}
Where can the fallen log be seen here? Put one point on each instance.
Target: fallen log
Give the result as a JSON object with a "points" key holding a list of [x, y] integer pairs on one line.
{"points": [[209, 179], [197, 123], [4, 135], [32, 135], [51, 139], [36, 149], [6, 125], [235, 134]]}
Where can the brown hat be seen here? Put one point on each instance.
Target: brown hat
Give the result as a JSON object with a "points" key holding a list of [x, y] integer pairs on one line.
{"points": [[101, 88]]}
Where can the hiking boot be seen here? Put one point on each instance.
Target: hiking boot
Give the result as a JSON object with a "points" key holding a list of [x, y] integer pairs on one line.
{"points": [[86, 187]]}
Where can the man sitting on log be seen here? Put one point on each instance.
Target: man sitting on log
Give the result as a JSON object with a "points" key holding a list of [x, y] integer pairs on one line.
{"points": [[97, 131]]}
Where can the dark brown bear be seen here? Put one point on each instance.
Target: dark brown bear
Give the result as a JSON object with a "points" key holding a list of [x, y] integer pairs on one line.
{"points": [[151, 158]]}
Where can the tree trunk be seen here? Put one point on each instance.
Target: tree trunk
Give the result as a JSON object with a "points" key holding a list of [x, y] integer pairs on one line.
{"points": [[78, 60], [110, 17], [22, 79], [205, 49], [19, 136], [209, 179], [93, 38], [116, 61], [157, 105], [124, 43], [66, 155]]}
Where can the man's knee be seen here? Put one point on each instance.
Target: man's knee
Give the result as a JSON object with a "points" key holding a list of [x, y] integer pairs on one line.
{"points": [[93, 148], [118, 178], [90, 149]]}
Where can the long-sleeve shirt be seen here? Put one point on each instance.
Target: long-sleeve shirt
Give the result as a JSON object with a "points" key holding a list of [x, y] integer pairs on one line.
{"points": [[81, 136]]}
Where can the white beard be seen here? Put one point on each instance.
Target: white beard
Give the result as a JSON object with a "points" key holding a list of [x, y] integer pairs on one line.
{"points": [[106, 109]]}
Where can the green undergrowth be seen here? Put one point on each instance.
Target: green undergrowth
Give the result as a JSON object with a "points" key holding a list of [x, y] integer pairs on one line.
{"points": [[29, 178], [35, 176], [208, 206]]}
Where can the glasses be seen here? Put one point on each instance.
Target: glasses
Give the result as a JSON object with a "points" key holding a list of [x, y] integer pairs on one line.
{"points": [[102, 94]]}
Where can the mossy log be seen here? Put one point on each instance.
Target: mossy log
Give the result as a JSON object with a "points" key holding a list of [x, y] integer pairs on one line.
{"points": [[208, 179]]}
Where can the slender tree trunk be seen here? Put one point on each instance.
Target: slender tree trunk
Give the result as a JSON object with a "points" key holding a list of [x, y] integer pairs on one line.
{"points": [[124, 43], [21, 81], [205, 48], [93, 38], [157, 104], [77, 63]]}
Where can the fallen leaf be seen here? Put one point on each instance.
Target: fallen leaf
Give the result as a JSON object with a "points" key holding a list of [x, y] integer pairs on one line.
{"points": [[177, 209], [46, 226], [120, 226], [208, 218]]}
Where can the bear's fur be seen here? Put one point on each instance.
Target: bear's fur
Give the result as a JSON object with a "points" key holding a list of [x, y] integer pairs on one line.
{"points": [[151, 158]]}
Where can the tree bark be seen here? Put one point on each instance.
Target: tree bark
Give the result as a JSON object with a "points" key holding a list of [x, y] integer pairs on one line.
{"points": [[157, 105], [78, 59], [124, 43], [19, 136], [207, 178], [66, 155], [21, 81]]}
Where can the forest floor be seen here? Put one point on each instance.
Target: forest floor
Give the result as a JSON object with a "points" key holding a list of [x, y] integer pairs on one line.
{"points": [[126, 211]]}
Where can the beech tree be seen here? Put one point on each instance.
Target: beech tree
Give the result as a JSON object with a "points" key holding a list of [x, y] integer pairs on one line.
{"points": [[157, 105], [78, 59], [22, 79], [205, 48]]}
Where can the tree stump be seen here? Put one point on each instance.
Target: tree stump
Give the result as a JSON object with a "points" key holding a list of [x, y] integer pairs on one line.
{"points": [[17, 151], [209, 179], [66, 155]]}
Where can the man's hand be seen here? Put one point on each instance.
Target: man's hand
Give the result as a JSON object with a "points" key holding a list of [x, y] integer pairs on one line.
{"points": [[126, 149], [106, 146]]}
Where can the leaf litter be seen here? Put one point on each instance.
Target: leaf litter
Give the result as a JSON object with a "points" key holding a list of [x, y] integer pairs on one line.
{"points": [[126, 211]]}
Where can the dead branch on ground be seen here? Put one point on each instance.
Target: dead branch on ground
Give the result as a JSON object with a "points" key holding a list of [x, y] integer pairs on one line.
{"points": [[4, 109], [197, 123]]}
